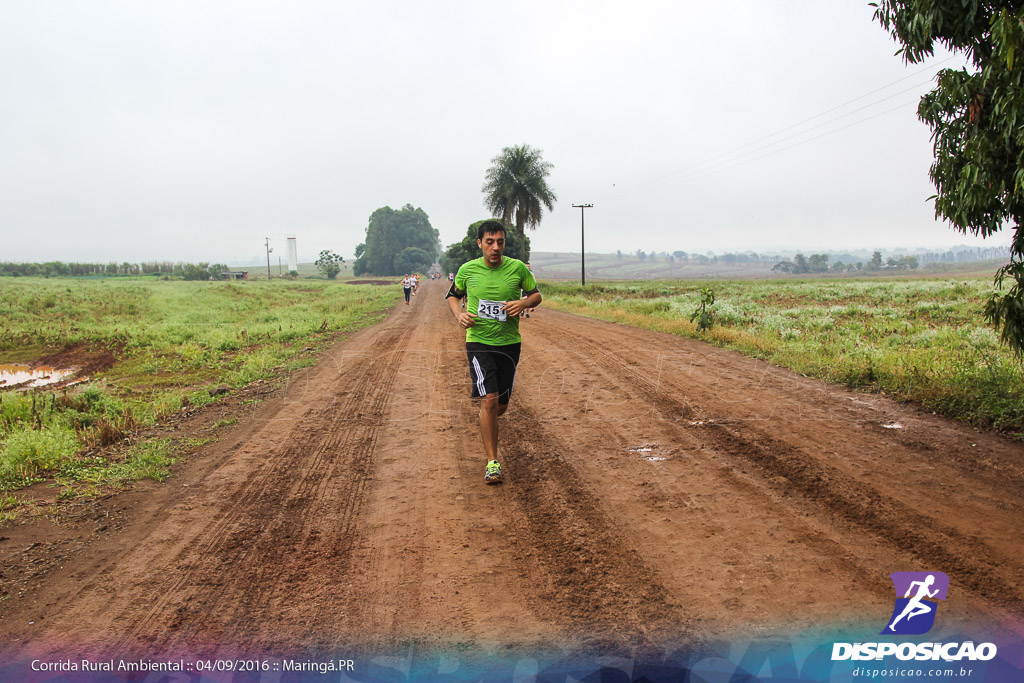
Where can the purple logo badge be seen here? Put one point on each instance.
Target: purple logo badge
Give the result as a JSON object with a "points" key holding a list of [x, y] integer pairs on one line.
{"points": [[917, 596]]}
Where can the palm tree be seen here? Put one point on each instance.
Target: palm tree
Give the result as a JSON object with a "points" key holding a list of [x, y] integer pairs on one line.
{"points": [[516, 187]]}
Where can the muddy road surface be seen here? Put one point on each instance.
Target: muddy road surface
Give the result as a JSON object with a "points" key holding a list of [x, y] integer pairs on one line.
{"points": [[658, 492]]}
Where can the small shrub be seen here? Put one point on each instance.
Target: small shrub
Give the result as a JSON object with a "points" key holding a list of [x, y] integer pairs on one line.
{"points": [[704, 316]]}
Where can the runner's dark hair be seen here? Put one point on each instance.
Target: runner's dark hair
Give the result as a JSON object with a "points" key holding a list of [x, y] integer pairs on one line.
{"points": [[490, 227]]}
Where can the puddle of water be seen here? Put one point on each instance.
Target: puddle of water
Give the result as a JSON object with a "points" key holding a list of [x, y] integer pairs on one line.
{"points": [[23, 376], [650, 448], [893, 425], [714, 421]]}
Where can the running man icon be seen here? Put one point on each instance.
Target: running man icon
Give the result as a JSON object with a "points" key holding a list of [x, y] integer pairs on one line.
{"points": [[915, 607], [926, 587]]}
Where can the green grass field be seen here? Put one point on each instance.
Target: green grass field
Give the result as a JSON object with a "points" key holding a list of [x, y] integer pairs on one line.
{"points": [[917, 339], [169, 342]]}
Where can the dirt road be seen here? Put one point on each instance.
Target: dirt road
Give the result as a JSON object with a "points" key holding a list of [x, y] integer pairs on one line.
{"points": [[658, 491]]}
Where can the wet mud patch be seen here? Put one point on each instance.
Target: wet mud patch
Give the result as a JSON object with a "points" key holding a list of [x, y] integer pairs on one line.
{"points": [[27, 377], [61, 368], [84, 358]]}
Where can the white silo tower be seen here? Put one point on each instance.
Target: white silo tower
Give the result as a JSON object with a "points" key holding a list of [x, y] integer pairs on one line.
{"points": [[293, 254]]}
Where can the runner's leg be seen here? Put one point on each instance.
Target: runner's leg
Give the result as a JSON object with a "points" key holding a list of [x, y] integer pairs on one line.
{"points": [[489, 412], [918, 611], [493, 372], [906, 610]]}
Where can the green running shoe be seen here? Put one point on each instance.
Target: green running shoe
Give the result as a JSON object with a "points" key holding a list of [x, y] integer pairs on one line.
{"points": [[492, 475]]}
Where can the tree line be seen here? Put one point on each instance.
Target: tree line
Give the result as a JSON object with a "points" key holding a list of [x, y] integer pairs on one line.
{"points": [[815, 263], [968, 254], [187, 271], [819, 263], [702, 259]]}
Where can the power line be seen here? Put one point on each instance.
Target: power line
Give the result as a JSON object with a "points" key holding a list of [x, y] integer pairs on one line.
{"points": [[697, 172], [696, 168], [730, 164], [743, 162]]}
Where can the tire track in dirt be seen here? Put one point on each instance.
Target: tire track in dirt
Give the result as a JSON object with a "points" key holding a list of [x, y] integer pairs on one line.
{"points": [[527, 577], [790, 470], [521, 549], [570, 563], [332, 536], [724, 545], [590, 577], [338, 481], [974, 563], [243, 560], [575, 567], [375, 596]]}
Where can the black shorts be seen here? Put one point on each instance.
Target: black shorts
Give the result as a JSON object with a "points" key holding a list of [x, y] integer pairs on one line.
{"points": [[493, 369]]}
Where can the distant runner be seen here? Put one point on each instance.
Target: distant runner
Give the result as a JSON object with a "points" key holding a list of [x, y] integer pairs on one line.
{"points": [[407, 286], [492, 287]]}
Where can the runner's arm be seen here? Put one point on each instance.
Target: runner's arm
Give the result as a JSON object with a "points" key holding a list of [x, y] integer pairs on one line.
{"points": [[454, 293], [532, 300], [531, 293], [453, 297]]}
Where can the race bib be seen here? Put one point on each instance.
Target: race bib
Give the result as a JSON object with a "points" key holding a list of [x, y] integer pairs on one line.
{"points": [[492, 310]]}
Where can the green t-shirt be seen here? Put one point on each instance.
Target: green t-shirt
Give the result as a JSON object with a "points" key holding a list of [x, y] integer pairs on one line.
{"points": [[500, 284]]}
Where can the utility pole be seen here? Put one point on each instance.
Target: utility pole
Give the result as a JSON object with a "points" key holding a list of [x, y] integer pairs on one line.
{"points": [[268, 257], [583, 248]]}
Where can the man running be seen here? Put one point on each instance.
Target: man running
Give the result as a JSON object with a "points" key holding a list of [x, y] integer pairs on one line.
{"points": [[407, 287], [491, 285], [916, 607]]}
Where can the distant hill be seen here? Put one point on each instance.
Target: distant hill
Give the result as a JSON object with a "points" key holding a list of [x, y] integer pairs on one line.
{"points": [[566, 266]]}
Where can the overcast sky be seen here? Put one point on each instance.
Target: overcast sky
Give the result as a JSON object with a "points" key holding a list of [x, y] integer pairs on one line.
{"points": [[188, 130]]}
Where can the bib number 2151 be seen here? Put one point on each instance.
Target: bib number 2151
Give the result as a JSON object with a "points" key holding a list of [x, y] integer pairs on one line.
{"points": [[492, 310]]}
